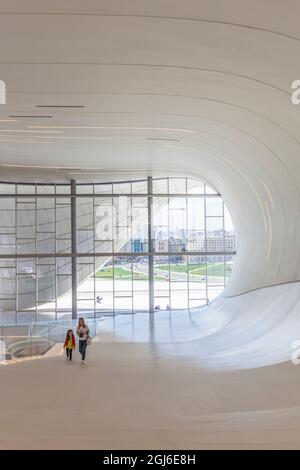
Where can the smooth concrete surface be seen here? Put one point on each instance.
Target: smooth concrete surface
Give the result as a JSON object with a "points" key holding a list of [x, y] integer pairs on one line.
{"points": [[215, 378], [252, 330], [129, 397]]}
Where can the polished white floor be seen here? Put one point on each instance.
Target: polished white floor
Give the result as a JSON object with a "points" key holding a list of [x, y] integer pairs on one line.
{"points": [[219, 378], [127, 397]]}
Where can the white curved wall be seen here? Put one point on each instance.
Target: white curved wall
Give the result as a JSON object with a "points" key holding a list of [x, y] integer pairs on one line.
{"points": [[212, 77]]}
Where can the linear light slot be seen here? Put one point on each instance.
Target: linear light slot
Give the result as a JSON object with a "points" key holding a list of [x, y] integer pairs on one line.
{"points": [[29, 116], [30, 131], [126, 128], [23, 142], [75, 137], [59, 106], [162, 139]]}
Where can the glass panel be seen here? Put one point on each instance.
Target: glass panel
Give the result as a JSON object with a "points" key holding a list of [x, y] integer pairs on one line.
{"points": [[195, 187], [103, 188], [26, 189], [104, 285], [229, 260], [63, 218], [139, 230], [84, 188], [197, 277], [122, 188], [25, 246], [7, 188], [8, 289], [40, 288], [26, 291], [215, 269], [177, 186], [139, 187], [214, 226], [45, 189], [140, 285], [7, 244], [45, 215], [179, 298], [139, 202], [230, 243], [85, 241], [103, 246], [63, 266], [104, 224], [177, 224], [64, 293], [160, 224], [122, 270], [161, 283], [122, 224], [26, 316], [215, 276], [123, 304], [46, 281], [195, 214], [63, 245], [160, 186], [214, 207], [178, 270], [230, 237], [86, 286], [45, 225], [45, 243], [7, 228], [25, 220], [162, 302], [63, 189]]}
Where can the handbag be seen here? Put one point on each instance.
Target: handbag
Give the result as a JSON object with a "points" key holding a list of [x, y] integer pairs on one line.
{"points": [[89, 339]]}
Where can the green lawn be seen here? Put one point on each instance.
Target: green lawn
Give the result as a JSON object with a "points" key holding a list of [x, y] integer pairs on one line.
{"points": [[123, 274], [177, 268], [216, 270], [213, 270], [118, 273]]}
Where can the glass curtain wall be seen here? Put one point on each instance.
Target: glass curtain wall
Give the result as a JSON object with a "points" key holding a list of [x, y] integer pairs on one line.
{"points": [[186, 264]]}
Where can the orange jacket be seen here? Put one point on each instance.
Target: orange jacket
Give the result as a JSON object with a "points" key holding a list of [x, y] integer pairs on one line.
{"points": [[67, 340]]}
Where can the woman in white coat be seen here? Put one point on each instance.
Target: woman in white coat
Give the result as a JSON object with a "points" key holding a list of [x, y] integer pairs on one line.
{"points": [[83, 335]]}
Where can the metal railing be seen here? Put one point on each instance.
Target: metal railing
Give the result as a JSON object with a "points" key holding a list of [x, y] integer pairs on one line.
{"points": [[30, 334]]}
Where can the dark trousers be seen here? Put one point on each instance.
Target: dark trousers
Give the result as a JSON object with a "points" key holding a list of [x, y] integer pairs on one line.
{"points": [[82, 349], [69, 353]]}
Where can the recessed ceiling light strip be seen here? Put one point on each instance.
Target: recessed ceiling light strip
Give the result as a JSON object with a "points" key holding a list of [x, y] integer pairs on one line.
{"points": [[84, 170], [31, 131], [162, 139], [23, 141], [29, 116], [59, 106], [73, 137], [40, 167], [126, 128]]}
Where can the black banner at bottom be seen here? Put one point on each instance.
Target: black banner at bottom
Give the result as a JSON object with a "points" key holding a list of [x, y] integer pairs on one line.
{"points": [[155, 459]]}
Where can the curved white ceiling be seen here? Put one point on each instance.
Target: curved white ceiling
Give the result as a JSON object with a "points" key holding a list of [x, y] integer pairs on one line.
{"points": [[210, 80]]}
